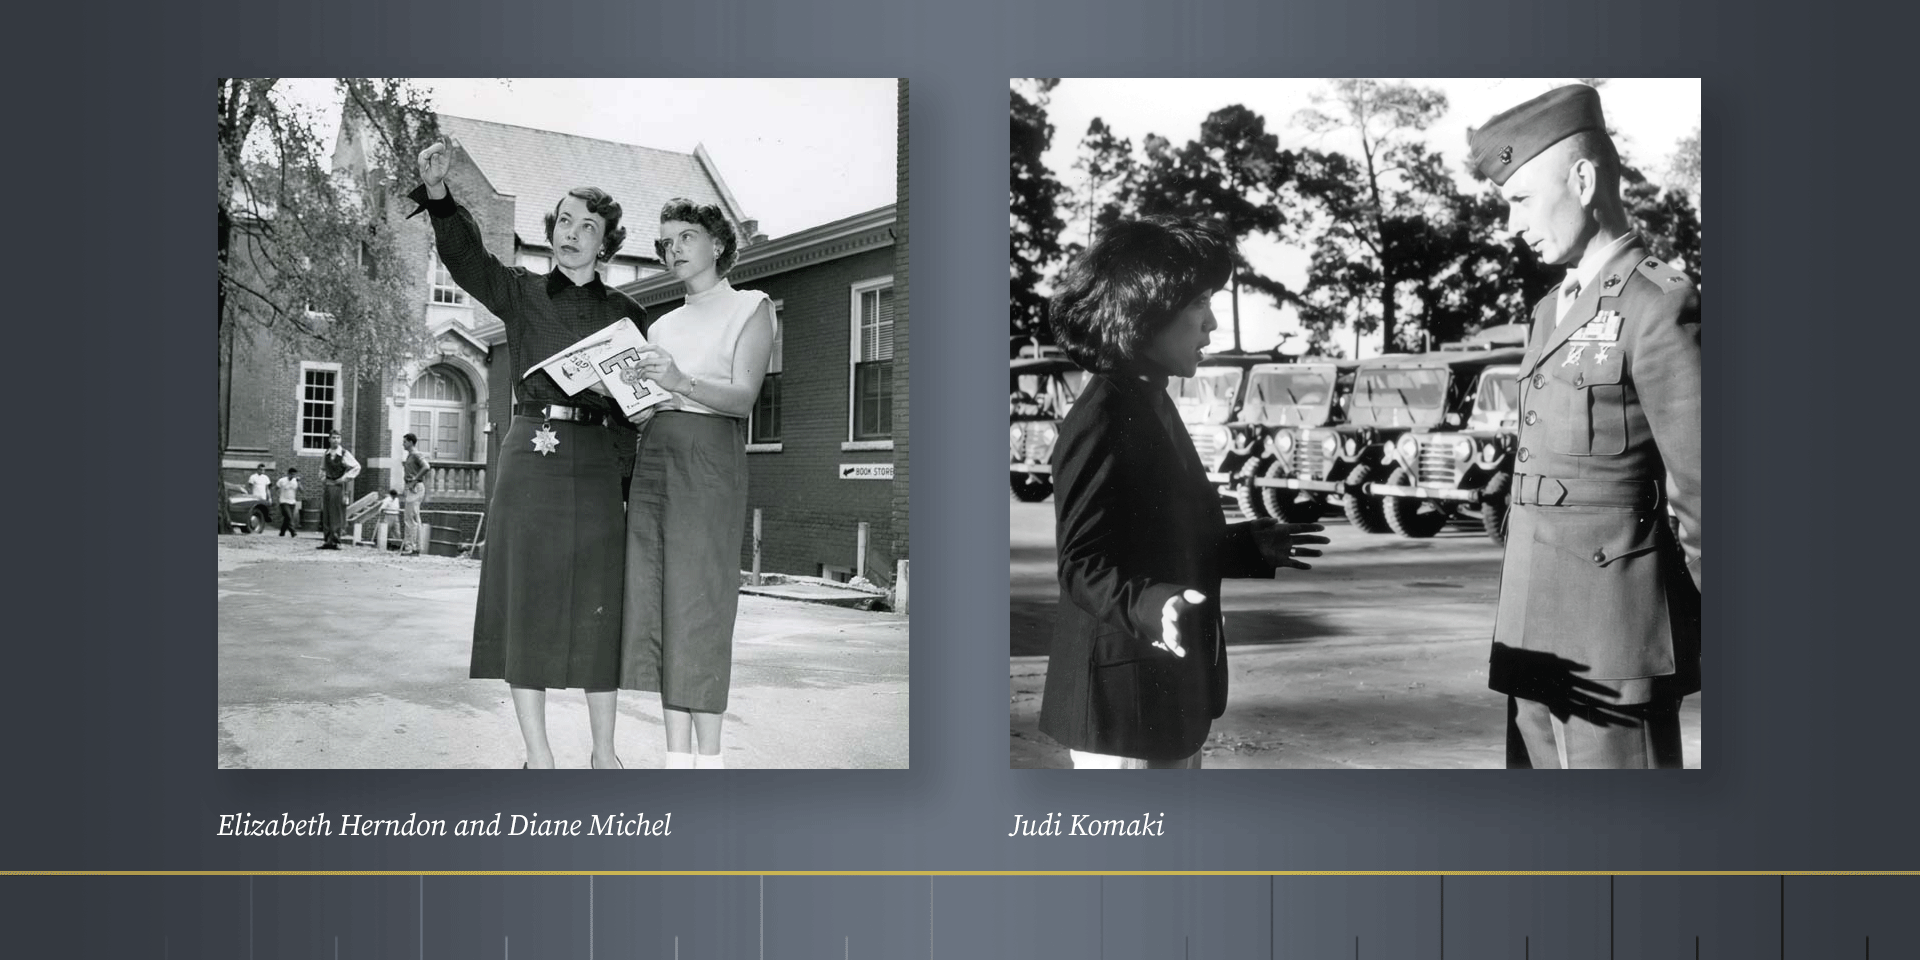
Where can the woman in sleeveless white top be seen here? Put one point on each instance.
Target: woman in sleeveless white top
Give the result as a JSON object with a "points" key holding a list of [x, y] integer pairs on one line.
{"points": [[686, 510]]}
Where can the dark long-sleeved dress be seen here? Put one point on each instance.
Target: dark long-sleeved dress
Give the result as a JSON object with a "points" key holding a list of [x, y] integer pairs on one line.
{"points": [[553, 575]]}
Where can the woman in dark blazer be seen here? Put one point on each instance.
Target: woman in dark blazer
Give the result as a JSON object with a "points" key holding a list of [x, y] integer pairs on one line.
{"points": [[1138, 669]]}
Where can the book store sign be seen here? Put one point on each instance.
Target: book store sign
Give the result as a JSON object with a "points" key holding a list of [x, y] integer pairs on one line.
{"points": [[866, 471]]}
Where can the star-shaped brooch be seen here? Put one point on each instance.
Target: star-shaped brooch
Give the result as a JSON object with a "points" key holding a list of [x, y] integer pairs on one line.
{"points": [[544, 440]]}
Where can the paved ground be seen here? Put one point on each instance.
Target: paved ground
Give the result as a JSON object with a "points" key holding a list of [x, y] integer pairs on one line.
{"points": [[1375, 658], [358, 659]]}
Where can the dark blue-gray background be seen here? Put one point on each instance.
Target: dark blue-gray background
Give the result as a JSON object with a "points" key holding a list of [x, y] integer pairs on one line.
{"points": [[110, 663]]}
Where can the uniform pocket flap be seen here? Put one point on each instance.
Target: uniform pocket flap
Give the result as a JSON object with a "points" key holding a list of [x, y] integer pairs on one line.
{"points": [[1588, 364], [1598, 536]]}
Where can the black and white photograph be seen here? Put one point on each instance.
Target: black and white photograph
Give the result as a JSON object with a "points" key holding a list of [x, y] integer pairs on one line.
{"points": [[562, 423], [1355, 423]]}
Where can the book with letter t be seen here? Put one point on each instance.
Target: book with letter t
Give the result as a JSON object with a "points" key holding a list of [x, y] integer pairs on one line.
{"points": [[607, 359]]}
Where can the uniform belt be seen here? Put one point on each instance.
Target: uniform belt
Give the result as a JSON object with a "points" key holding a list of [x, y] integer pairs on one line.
{"points": [[559, 411], [1538, 491]]}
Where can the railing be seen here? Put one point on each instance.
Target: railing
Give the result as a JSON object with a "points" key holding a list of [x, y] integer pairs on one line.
{"points": [[457, 480]]}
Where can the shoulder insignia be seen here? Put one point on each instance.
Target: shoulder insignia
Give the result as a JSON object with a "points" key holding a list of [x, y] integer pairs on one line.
{"points": [[1663, 276]]}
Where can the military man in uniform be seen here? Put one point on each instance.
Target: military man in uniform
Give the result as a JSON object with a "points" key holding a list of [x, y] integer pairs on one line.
{"points": [[1597, 637]]}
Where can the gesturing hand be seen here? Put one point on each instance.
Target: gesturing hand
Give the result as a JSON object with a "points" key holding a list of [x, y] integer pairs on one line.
{"points": [[1170, 620], [1279, 542]]}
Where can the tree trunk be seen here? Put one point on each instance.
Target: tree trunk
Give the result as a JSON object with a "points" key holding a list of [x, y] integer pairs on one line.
{"points": [[223, 344], [1386, 316], [1233, 283]]}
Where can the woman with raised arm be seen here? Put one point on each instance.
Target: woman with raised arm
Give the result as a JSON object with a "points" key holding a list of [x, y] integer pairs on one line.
{"points": [[550, 582]]}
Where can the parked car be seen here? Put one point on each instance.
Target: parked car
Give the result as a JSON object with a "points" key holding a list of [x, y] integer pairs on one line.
{"points": [[1337, 458], [1460, 465], [1284, 402], [247, 512], [1041, 390], [1210, 404]]}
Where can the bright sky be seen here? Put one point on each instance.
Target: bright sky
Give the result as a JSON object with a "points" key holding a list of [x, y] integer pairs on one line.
{"points": [[795, 153], [1650, 117]]}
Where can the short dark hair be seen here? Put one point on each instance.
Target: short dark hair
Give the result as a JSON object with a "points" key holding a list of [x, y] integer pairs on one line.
{"points": [[598, 202], [1131, 283], [410, 438], [711, 219], [292, 470]]}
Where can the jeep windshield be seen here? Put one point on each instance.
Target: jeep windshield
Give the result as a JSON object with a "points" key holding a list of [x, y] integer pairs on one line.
{"points": [[1399, 396], [1290, 398], [1207, 396], [1047, 396], [1498, 401]]}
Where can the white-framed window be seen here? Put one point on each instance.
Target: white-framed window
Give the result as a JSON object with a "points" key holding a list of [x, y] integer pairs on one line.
{"points": [[616, 273], [318, 404], [445, 291], [870, 363], [763, 422], [534, 262]]}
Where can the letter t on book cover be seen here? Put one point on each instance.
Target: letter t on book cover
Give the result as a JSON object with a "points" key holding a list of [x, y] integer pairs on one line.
{"points": [[609, 358]]}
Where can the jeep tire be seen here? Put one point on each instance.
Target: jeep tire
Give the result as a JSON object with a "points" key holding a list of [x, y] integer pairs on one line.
{"points": [[1411, 516], [1030, 487], [1493, 506], [1363, 510], [1246, 496], [1293, 506]]}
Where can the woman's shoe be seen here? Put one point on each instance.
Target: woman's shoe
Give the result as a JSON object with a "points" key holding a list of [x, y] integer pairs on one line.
{"points": [[679, 761]]}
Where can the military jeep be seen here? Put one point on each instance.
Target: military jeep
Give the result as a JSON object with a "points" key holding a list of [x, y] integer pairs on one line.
{"points": [[1285, 401], [1210, 404], [1041, 390], [1391, 394], [1458, 464]]}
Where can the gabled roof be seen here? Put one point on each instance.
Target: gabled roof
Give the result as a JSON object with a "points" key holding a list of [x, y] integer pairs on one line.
{"points": [[538, 167], [844, 237]]}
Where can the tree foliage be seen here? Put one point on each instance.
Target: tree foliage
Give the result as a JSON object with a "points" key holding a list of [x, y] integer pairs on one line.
{"points": [[307, 256], [1233, 174], [307, 253], [1106, 164], [1385, 210], [1034, 223], [1395, 243], [1683, 168]]}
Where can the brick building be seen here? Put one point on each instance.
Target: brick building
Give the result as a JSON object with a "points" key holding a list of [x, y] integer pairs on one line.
{"points": [[827, 441], [278, 409]]}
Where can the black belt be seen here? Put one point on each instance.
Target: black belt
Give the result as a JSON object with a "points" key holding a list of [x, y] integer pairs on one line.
{"points": [[1538, 491], [559, 411]]}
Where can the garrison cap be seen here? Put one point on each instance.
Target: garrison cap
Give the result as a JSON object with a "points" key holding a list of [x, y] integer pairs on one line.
{"points": [[1514, 136]]}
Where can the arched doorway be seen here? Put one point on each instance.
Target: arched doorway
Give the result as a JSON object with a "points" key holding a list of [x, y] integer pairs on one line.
{"points": [[440, 411]]}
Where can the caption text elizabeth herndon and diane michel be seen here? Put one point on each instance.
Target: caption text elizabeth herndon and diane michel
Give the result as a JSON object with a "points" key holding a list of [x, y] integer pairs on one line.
{"points": [[498, 825]]}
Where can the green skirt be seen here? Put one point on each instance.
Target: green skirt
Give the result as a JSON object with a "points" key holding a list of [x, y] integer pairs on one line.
{"points": [[686, 515]]}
